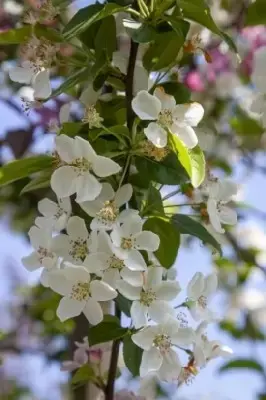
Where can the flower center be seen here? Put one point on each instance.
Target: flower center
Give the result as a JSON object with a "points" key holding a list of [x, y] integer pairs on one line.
{"points": [[115, 262], [44, 253], [146, 298], [109, 212], [79, 249], [92, 117], [165, 118], [82, 164], [202, 302], [127, 243], [162, 342], [80, 291], [152, 151]]}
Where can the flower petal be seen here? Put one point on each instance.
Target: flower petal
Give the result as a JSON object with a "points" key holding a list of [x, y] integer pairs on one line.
{"points": [[132, 226], [111, 277], [128, 291], [93, 311], [154, 277], [156, 134], [144, 338], [88, 187], [183, 336], [103, 166], [83, 148], [76, 228], [135, 261], [134, 278], [167, 101], [196, 286], [159, 311], [59, 283], [214, 215], [65, 148], [148, 241], [31, 262], [63, 181], [64, 113], [210, 285], [186, 134], [76, 273], [138, 314], [199, 355], [97, 262], [47, 207], [228, 216], [171, 367], [190, 114], [21, 75], [40, 237], [101, 291], [69, 308], [41, 85], [168, 290], [151, 361], [146, 106], [123, 195]]}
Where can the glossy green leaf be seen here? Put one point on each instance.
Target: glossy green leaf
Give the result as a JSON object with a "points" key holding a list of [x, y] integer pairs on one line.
{"points": [[198, 11], [83, 374], [40, 182], [132, 355], [180, 92], [256, 13], [168, 172], [18, 169], [143, 34], [21, 35], [124, 304], [154, 204], [71, 128], [187, 225], [105, 39], [88, 16], [79, 76], [242, 363], [192, 160], [107, 330], [169, 240]]}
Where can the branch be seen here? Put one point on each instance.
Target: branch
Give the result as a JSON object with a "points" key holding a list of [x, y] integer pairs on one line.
{"points": [[110, 387], [129, 82]]}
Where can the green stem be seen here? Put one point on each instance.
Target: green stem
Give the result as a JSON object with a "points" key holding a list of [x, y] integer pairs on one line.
{"points": [[143, 8], [181, 205]]}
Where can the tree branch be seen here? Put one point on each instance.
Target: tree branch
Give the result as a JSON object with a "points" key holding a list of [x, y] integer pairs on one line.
{"points": [[129, 82]]}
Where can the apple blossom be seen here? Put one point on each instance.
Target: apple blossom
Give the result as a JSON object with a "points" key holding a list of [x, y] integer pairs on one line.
{"points": [[55, 216]]}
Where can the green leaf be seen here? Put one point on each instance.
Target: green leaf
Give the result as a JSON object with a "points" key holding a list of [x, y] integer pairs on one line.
{"points": [[180, 92], [21, 35], [180, 26], [132, 355], [105, 331], [18, 169], [189, 226], [40, 182], [88, 16], [168, 172], [198, 11], [244, 125], [256, 14], [169, 240], [163, 51], [143, 34], [193, 160], [123, 304], [71, 128], [105, 39], [154, 204], [83, 374], [242, 363], [79, 76]]}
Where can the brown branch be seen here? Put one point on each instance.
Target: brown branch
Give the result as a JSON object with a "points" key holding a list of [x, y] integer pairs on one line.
{"points": [[130, 81]]}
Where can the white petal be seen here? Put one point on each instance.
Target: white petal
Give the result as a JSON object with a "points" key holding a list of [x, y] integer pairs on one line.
{"points": [[105, 244], [228, 216], [160, 310], [196, 286], [168, 290], [69, 308], [63, 181], [21, 75], [154, 277], [151, 361], [146, 106], [132, 226], [211, 283], [186, 134], [97, 262], [93, 311], [60, 284], [64, 113], [167, 101], [138, 314], [199, 355], [190, 114], [65, 148], [148, 241], [134, 278], [89, 96], [47, 207], [183, 336], [98, 224], [144, 338], [91, 207], [31, 262], [126, 214], [128, 291], [61, 246], [39, 237], [107, 193], [101, 291], [141, 79], [41, 85], [171, 367], [156, 134], [65, 204], [226, 190], [135, 261], [123, 195], [84, 149], [46, 223], [76, 228], [103, 166], [111, 277], [76, 273], [214, 215], [88, 187]]}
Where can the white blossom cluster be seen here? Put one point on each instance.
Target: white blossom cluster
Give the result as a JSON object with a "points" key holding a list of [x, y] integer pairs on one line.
{"points": [[88, 266]]}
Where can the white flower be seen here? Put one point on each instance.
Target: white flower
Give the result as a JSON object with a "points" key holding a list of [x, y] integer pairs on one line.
{"points": [[157, 343], [129, 238], [64, 115], [258, 73], [43, 256], [81, 294], [205, 350], [198, 291], [111, 268], [76, 176], [55, 216], [220, 193], [178, 118], [227, 84], [77, 244], [150, 300], [105, 208]]}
